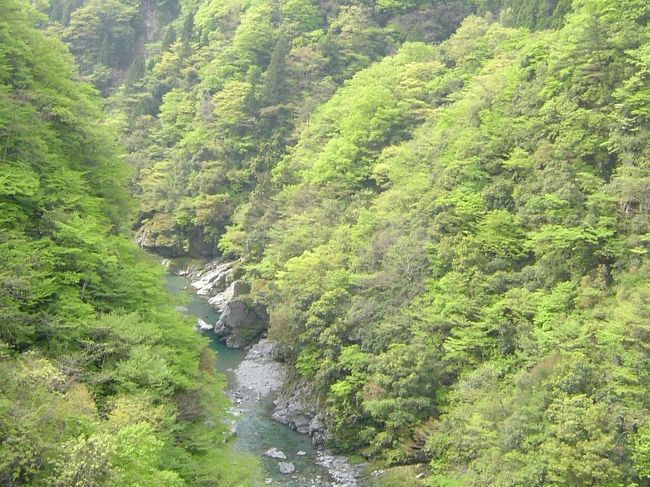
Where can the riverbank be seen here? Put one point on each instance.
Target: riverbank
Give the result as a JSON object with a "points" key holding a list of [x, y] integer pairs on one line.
{"points": [[258, 379], [254, 381]]}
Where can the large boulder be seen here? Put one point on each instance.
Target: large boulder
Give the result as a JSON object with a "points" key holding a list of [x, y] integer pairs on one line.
{"points": [[203, 325], [286, 468], [214, 280], [242, 322], [236, 289]]}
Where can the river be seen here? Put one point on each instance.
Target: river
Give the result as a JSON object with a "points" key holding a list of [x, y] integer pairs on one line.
{"points": [[257, 432]]}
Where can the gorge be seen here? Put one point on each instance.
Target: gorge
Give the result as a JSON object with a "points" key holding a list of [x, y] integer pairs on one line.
{"points": [[429, 218], [254, 379]]}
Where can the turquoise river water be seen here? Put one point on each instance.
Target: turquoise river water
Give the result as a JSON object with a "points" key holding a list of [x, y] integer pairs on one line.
{"points": [[256, 430]]}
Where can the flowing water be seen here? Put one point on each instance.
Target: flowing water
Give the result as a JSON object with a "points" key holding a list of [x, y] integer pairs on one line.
{"points": [[256, 430]]}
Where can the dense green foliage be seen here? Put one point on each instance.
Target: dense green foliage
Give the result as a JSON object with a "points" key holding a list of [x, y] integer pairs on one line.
{"points": [[458, 251], [219, 103], [213, 98], [108, 37], [101, 381], [453, 248], [450, 231]]}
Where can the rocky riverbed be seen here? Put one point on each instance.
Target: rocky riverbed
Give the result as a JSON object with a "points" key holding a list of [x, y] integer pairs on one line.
{"points": [[241, 320], [255, 382]]}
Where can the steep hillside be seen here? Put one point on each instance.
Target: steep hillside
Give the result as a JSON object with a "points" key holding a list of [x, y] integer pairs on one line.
{"points": [[210, 94], [101, 381], [234, 85], [220, 103], [455, 252], [444, 206]]}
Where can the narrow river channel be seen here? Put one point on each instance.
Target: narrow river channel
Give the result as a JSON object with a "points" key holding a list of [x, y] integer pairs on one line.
{"points": [[257, 432]]}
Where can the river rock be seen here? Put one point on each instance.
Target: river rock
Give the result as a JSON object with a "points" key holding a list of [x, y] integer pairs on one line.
{"points": [[236, 289], [301, 453], [343, 473], [203, 325], [214, 280], [295, 408], [241, 322], [286, 468], [275, 453]]}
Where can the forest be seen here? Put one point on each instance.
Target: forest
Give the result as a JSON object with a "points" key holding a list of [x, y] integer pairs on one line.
{"points": [[444, 206], [102, 382]]}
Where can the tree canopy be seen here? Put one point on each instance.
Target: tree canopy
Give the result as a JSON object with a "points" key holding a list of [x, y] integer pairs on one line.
{"points": [[444, 206], [100, 378]]}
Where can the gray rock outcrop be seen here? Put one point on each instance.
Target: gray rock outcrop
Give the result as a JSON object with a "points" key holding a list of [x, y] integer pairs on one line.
{"points": [[293, 409], [241, 323], [164, 243], [159, 233], [236, 289], [214, 280]]}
